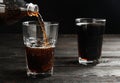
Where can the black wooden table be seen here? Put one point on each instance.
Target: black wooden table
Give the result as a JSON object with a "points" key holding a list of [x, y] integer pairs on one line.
{"points": [[66, 68]]}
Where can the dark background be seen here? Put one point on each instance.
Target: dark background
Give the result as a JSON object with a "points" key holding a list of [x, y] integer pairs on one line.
{"points": [[65, 12]]}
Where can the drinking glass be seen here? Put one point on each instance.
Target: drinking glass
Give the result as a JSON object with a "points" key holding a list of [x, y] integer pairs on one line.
{"points": [[39, 47], [90, 37]]}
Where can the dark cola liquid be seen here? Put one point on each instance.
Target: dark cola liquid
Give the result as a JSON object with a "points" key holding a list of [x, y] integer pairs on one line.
{"points": [[90, 37], [40, 60]]}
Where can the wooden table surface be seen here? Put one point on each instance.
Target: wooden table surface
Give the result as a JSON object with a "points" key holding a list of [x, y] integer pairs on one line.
{"points": [[66, 68]]}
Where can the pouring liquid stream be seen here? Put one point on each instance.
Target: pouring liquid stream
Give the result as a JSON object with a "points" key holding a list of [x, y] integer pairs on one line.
{"points": [[42, 25]]}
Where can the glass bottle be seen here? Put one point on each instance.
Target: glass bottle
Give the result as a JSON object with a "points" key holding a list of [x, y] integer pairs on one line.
{"points": [[12, 11]]}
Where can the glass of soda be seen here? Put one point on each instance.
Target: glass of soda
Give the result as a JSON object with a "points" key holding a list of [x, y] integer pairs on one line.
{"points": [[39, 47], [90, 37]]}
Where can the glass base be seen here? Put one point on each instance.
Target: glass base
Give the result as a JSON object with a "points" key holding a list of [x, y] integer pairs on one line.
{"points": [[36, 75], [86, 62]]}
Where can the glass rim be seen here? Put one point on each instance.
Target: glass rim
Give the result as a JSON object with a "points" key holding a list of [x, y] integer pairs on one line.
{"points": [[96, 19], [27, 23]]}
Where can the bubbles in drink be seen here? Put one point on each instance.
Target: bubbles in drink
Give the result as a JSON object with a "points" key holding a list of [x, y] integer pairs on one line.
{"points": [[33, 42]]}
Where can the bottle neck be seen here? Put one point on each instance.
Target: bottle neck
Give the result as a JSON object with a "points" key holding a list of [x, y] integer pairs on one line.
{"points": [[32, 9]]}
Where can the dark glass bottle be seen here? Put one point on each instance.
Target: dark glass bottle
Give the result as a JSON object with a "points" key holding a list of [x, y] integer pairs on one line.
{"points": [[12, 11]]}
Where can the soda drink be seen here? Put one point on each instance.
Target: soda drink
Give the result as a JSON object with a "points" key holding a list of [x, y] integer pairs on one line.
{"points": [[39, 45], [90, 37], [40, 59]]}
